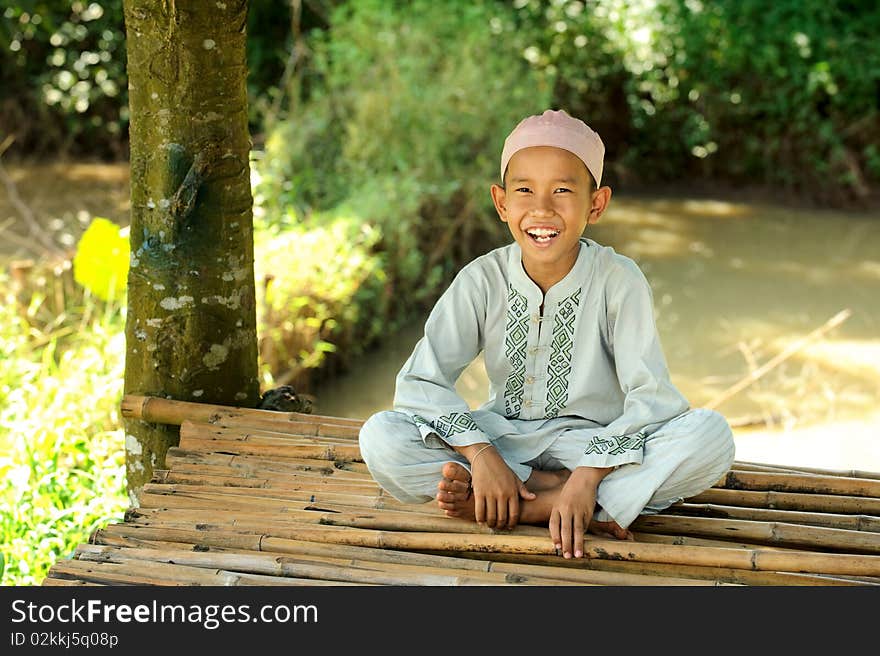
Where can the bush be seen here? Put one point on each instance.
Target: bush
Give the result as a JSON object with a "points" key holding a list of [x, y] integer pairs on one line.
{"points": [[780, 94], [405, 131], [323, 306], [62, 68]]}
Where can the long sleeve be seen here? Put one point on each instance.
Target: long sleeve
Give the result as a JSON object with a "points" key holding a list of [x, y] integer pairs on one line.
{"points": [[650, 398], [425, 385]]}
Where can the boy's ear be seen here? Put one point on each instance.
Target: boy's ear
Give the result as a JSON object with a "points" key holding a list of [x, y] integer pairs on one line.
{"points": [[601, 198], [499, 197]]}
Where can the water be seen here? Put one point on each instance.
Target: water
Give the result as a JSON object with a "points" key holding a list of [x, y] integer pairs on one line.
{"points": [[735, 285]]}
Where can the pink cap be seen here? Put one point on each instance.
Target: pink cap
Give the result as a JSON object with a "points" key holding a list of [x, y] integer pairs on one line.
{"points": [[557, 128]]}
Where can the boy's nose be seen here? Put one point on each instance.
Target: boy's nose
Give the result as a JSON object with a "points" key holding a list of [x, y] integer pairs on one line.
{"points": [[543, 203], [541, 209]]}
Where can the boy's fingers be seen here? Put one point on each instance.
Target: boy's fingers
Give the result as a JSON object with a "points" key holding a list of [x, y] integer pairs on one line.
{"points": [[554, 530], [479, 508], [501, 513], [490, 513], [566, 536], [578, 537], [513, 509], [525, 492]]}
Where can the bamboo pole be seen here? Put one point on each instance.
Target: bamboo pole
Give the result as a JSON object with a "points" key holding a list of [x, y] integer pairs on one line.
{"points": [[849, 473], [244, 495], [205, 430], [280, 437], [130, 570], [346, 556], [261, 463], [326, 472], [207, 501], [90, 573], [807, 483], [294, 519], [778, 359], [169, 411], [831, 503], [830, 520], [250, 565], [335, 569], [778, 533], [751, 559], [51, 580], [303, 473], [694, 572], [298, 430], [696, 541], [262, 448], [293, 483]]}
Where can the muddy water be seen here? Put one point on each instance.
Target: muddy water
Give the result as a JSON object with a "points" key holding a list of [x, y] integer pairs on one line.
{"points": [[49, 206], [735, 286]]}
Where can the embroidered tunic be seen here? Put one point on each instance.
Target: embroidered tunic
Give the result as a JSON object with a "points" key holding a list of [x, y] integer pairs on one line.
{"points": [[592, 363]]}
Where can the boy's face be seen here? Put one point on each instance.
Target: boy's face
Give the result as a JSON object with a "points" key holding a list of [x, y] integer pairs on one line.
{"points": [[547, 203]]}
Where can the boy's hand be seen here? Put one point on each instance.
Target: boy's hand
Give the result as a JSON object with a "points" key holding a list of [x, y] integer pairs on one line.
{"points": [[497, 491], [571, 514]]}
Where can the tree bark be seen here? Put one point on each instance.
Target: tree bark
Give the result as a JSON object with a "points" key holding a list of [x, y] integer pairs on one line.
{"points": [[191, 324]]}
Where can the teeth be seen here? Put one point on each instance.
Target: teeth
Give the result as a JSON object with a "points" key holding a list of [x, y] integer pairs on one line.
{"points": [[542, 234]]}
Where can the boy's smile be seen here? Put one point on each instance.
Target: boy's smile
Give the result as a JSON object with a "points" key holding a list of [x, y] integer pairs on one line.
{"points": [[547, 203]]}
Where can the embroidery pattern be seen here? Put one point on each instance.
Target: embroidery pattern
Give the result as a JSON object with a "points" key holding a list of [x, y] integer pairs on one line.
{"points": [[515, 337], [449, 425], [559, 367], [616, 445]]}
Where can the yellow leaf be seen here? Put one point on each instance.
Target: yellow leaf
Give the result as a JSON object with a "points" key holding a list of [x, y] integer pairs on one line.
{"points": [[101, 261]]}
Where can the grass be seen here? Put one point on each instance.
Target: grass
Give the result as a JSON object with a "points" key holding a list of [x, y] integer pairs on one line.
{"points": [[62, 454]]}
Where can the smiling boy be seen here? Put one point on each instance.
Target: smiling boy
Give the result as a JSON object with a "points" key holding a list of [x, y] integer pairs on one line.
{"points": [[583, 429]]}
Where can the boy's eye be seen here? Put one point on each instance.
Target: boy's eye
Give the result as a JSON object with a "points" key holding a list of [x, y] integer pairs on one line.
{"points": [[563, 189], [523, 189]]}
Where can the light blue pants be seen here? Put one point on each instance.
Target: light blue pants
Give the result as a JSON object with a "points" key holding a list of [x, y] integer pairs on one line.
{"points": [[682, 458]]}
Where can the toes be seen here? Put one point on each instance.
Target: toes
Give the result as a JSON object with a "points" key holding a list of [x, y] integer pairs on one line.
{"points": [[454, 486], [455, 472], [449, 497]]}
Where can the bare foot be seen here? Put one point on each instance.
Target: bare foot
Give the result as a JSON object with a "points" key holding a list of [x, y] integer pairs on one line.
{"points": [[454, 494], [610, 529], [455, 497]]}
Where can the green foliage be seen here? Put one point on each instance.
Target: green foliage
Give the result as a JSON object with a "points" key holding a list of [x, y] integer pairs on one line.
{"points": [[404, 130], [322, 306], [781, 93], [62, 456], [62, 72]]}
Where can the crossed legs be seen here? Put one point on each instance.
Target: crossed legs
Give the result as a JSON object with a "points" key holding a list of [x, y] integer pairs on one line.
{"points": [[681, 459]]}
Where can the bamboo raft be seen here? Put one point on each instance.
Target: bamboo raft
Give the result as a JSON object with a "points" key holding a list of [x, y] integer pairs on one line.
{"points": [[258, 497]]}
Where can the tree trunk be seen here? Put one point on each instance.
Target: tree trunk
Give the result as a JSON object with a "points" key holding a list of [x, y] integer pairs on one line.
{"points": [[191, 324]]}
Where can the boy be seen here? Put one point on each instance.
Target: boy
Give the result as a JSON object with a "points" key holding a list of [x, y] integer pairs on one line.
{"points": [[583, 430]]}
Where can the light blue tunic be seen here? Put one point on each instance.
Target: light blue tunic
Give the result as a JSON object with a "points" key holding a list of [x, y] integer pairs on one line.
{"points": [[592, 364]]}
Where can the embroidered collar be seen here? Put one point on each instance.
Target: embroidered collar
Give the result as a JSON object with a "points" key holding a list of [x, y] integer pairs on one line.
{"points": [[573, 280]]}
